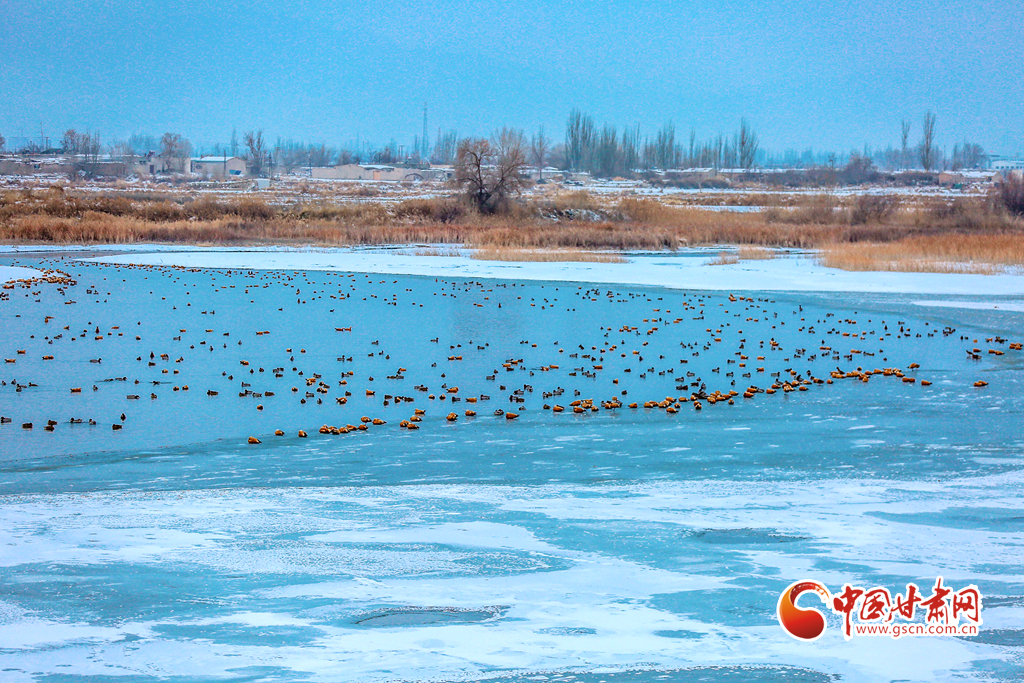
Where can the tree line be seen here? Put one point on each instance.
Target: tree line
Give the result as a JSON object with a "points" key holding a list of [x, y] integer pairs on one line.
{"points": [[606, 151], [609, 153]]}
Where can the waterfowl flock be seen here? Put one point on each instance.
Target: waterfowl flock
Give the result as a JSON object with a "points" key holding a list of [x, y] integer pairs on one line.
{"points": [[346, 351]]}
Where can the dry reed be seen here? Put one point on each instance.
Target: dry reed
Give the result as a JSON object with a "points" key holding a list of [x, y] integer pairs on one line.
{"points": [[538, 256], [570, 222], [752, 253], [439, 251], [724, 259], [946, 253]]}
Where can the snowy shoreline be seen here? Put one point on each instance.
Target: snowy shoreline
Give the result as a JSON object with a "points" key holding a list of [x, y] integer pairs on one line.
{"points": [[679, 270], [685, 269]]}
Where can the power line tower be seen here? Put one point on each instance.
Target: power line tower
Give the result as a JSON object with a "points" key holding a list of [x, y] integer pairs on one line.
{"points": [[423, 140]]}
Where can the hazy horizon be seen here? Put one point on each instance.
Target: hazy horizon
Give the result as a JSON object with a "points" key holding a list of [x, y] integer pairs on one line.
{"points": [[804, 75]]}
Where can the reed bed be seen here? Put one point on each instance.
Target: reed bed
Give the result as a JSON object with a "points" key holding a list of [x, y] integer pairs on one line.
{"points": [[439, 251], [866, 232], [752, 253], [947, 253], [724, 259], [545, 255]]}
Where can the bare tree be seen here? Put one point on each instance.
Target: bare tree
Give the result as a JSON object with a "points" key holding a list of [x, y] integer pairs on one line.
{"points": [[649, 154], [143, 144], [490, 171], [539, 146], [3, 142], [387, 155], [91, 146], [630, 149], [904, 142], [665, 147], [289, 155], [1010, 193], [746, 145], [170, 145], [69, 142], [579, 140], [234, 142], [256, 150], [719, 151], [122, 151], [968, 155], [927, 150], [174, 148], [445, 148], [607, 159], [320, 155]]}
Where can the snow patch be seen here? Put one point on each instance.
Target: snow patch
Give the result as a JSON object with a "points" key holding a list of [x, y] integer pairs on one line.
{"points": [[796, 273]]}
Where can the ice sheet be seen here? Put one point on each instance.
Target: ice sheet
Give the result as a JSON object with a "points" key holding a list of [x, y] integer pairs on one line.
{"points": [[625, 545], [678, 271], [8, 273]]}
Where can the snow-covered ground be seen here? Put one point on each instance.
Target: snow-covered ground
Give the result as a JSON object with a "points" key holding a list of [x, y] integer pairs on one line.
{"points": [[1016, 307], [8, 273], [680, 270]]}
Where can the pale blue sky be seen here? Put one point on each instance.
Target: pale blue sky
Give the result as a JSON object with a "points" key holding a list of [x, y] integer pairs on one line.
{"points": [[832, 75]]}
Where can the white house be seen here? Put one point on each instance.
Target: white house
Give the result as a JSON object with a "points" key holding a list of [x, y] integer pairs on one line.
{"points": [[1007, 164], [218, 168], [151, 164], [366, 172]]}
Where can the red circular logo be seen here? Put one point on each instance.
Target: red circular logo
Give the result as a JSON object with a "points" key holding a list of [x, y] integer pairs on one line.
{"points": [[802, 624]]}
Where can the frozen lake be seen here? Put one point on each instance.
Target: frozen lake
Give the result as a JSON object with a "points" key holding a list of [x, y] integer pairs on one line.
{"points": [[614, 544]]}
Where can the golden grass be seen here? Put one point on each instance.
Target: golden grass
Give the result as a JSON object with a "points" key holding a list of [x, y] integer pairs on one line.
{"points": [[945, 253], [547, 255], [439, 251], [95, 228], [724, 259], [752, 253], [924, 233], [744, 253]]}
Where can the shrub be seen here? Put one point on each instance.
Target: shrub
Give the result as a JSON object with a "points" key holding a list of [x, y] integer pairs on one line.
{"points": [[968, 214], [820, 209], [441, 210], [160, 212], [1010, 193], [251, 208], [873, 208]]}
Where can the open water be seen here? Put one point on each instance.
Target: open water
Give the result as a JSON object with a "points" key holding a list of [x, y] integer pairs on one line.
{"points": [[614, 544]]}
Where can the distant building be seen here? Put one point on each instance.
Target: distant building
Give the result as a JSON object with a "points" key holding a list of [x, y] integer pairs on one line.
{"points": [[368, 172], [31, 165], [102, 165], [218, 168], [692, 173], [1007, 164], [950, 178], [151, 164]]}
